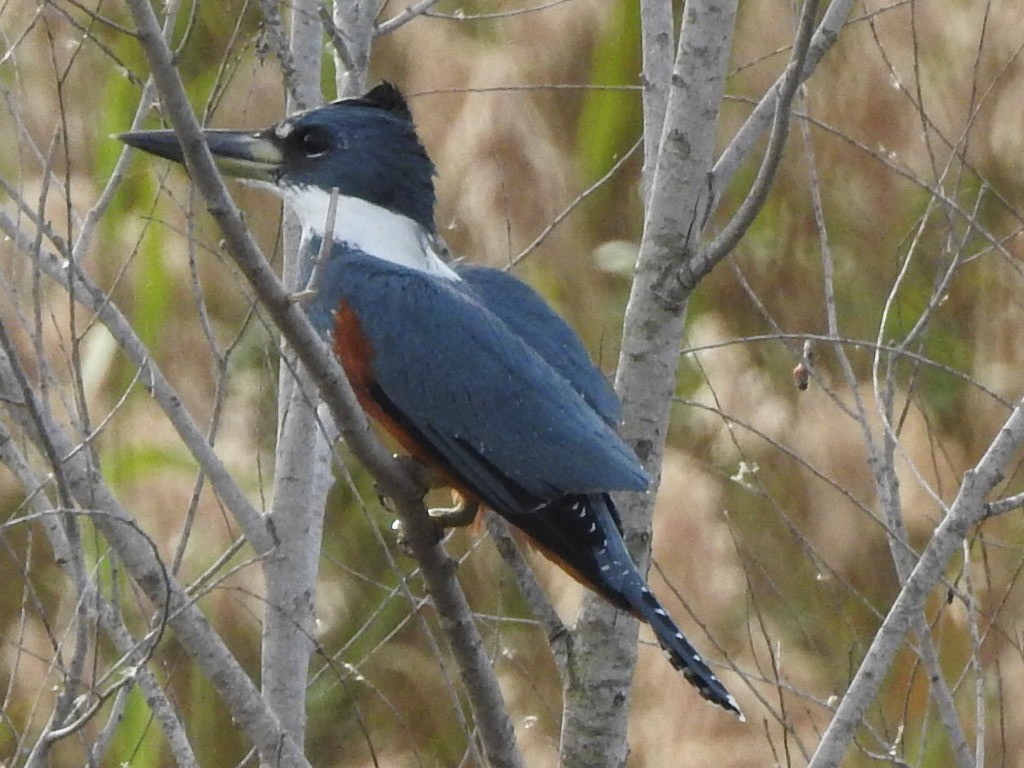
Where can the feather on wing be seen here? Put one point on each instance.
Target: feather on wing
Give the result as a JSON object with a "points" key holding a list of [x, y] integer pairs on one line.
{"points": [[504, 420]]}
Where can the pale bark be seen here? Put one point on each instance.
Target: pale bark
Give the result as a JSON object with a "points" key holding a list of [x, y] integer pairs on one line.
{"points": [[136, 552], [682, 192], [302, 463], [604, 653], [968, 509], [491, 718]]}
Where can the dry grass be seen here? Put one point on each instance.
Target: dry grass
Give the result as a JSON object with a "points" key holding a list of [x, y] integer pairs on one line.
{"points": [[768, 518]]}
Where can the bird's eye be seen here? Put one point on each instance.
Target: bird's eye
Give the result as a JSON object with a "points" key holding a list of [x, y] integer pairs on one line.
{"points": [[312, 142]]}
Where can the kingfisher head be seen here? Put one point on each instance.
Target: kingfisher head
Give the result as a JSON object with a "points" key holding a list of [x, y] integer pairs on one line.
{"points": [[366, 148]]}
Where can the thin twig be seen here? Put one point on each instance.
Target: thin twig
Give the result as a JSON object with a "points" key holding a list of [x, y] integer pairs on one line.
{"points": [[438, 569], [71, 279], [968, 509], [575, 203], [461, 16], [410, 13], [971, 603], [760, 119], [754, 201], [557, 633], [1001, 507]]}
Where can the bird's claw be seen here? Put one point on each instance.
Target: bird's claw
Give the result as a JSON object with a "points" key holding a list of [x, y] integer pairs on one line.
{"points": [[458, 516], [461, 514]]}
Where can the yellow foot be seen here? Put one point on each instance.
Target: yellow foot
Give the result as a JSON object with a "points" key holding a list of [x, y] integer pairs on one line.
{"points": [[461, 514], [458, 516]]}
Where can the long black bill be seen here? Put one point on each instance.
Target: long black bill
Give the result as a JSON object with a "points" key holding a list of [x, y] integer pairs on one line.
{"points": [[240, 154]]}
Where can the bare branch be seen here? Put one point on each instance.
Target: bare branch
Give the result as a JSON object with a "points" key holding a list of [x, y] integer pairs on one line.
{"points": [[416, 9], [1001, 507], [136, 551], [657, 48], [753, 202], [274, 29], [761, 118], [351, 29], [604, 650], [967, 510], [557, 633], [152, 378], [438, 569], [302, 458], [575, 203]]}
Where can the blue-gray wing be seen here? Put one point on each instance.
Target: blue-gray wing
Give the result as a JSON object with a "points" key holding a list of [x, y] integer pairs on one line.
{"points": [[529, 316], [485, 403]]}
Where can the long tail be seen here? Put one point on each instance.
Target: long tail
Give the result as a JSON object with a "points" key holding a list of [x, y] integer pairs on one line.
{"points": [[684, 656], [583, 534]]}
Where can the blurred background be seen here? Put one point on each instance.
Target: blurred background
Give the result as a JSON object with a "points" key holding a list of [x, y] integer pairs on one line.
{"points": [[901, 184]]}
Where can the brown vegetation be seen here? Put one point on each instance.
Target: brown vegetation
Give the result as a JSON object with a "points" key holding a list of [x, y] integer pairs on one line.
{"points": [[768, 526]]}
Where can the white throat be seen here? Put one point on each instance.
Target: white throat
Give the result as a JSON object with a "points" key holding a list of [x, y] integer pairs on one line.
{"points": [[370, 228]]}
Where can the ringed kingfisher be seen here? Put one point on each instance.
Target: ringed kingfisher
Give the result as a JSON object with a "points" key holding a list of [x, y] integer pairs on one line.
{"points": [[473, 374]]}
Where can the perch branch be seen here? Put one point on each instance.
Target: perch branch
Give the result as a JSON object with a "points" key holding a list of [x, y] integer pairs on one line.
{"points": [[492, 719]]}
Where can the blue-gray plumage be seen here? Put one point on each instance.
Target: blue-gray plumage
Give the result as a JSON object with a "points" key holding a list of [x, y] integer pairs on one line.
{"points": [[466, 366], [527, 315], [519, 308], [500, 406]]}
